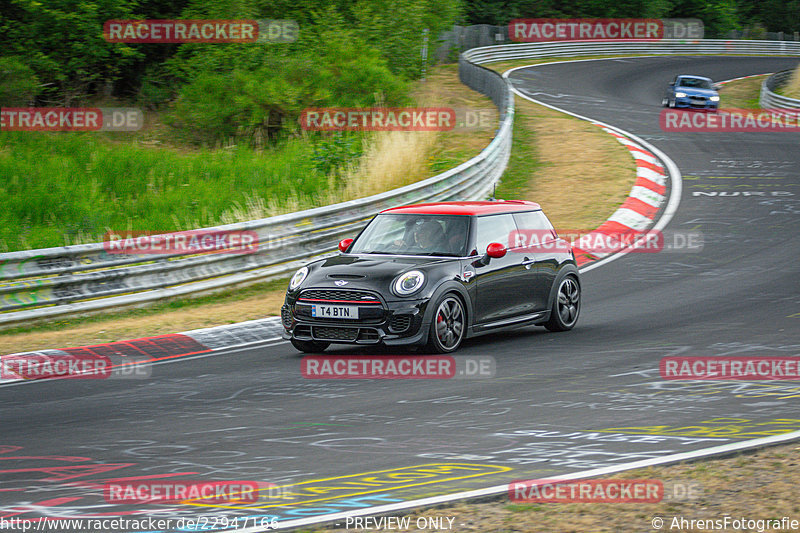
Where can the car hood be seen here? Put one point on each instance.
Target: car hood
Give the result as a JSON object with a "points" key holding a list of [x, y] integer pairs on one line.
{"points": [[694, 91], [362, 271]]}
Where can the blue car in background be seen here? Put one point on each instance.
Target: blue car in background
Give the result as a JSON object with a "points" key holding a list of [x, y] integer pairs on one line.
{"points": [[694, 92]]}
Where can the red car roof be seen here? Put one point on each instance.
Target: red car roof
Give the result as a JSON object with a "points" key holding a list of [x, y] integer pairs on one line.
{"points": [[465, 208]]}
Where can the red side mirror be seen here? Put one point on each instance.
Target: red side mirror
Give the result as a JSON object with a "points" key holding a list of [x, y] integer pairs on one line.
{"points": [[344, 244], [495, 250]]}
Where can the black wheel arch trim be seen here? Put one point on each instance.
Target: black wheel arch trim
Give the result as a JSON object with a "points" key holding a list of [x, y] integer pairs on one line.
{"points": [[565, 271], [443, 288]]}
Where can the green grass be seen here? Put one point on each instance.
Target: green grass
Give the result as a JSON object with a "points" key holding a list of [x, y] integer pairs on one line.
{"points": [[516, 179], [62, 188]]}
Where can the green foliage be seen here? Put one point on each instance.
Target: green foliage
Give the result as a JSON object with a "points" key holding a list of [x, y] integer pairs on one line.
{"points": [[18, 84], [332, 153], [256, 92], [62, 42], [398, 28]]}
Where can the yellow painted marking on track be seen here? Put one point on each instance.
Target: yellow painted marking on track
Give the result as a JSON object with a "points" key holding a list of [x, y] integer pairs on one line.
{"points": [[737, 428], [377, 481]]}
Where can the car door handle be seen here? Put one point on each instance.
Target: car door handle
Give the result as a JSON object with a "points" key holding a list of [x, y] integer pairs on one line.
{"points": [[528, 262]]}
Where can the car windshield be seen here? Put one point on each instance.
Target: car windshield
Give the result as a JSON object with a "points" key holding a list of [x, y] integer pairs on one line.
{"points": [[695, 83], [411, 234]]}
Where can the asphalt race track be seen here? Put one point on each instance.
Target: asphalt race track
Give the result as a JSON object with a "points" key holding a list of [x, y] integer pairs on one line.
{"points": [[560, 402]]}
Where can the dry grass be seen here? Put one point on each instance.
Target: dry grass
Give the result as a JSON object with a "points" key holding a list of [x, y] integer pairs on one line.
{"points": [[792, 88], [583, 174], [741, 94], [394, 159]]}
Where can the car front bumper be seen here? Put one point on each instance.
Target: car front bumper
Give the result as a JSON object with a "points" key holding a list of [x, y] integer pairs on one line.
{"points": [[695, 103], [400, 323]]}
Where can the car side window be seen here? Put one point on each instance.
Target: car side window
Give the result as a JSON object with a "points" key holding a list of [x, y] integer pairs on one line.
{"points": [[493, 228], [534, 225], [532, 220]]}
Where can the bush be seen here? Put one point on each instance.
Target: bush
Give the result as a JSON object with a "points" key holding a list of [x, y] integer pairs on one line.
{"points": [[18, 83], [257, 92]]}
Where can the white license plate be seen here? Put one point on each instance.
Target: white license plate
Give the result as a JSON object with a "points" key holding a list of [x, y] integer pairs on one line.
{"points": [[698, 102], [334, 311]]}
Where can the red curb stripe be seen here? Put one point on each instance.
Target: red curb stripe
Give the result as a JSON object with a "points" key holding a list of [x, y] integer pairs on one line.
{"points": [[643, 208], [156, 347], [583, 257], [652, 185], [640, 150], [652, 166], [614, 228]]}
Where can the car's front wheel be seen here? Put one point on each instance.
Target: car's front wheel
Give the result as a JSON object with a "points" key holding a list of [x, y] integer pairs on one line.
{"points": [[310, 346], [566, 306], [664, 102], [448, 326]]}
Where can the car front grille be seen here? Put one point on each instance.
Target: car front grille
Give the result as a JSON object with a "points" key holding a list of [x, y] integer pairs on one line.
{"points": [[340, 334], [334, 334], [340, 295]]}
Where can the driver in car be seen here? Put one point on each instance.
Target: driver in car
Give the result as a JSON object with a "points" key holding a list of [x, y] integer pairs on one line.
{"points": [[430, 236]]}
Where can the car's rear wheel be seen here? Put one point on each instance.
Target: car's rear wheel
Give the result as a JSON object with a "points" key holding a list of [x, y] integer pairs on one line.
{"points": [[448, 326], [664, 102], [566, 305], [310, 346]]}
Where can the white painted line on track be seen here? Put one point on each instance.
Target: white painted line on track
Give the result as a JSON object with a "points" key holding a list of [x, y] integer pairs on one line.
{"points": [[722, 449]]}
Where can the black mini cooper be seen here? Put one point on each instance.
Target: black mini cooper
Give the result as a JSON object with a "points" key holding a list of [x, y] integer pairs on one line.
{"points": [[432, 275]]}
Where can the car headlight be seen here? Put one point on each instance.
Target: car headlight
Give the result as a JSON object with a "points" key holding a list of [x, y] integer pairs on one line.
{"points": [[715, 98], [680, 95], [409, 283], [298, 278]]}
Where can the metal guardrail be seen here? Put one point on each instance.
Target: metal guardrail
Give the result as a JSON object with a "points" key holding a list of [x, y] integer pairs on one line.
{"points": [[45, 283], [489, 54], [769, 99]]}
